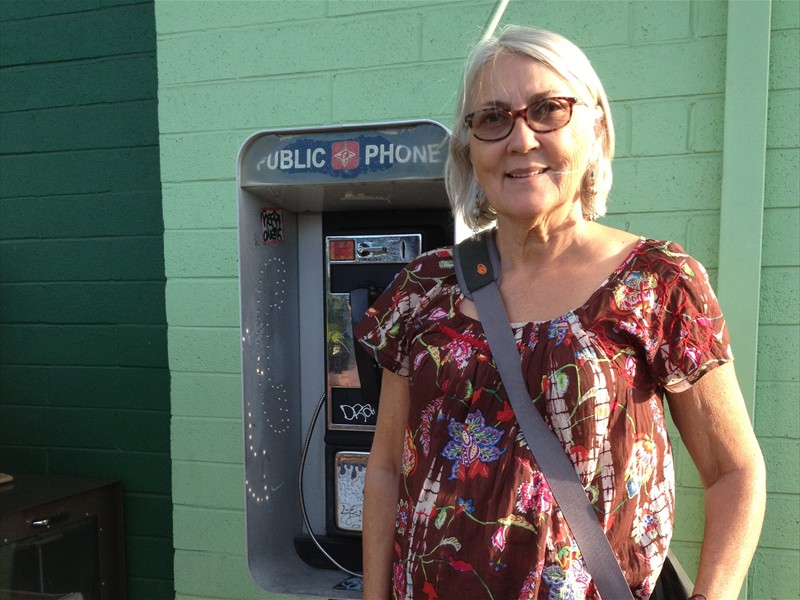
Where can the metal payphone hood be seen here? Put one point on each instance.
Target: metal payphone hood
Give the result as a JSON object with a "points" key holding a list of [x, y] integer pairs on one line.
{"points": [[397, 165]]}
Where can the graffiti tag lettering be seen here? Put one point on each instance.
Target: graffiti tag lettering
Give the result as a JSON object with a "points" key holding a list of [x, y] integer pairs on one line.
{"points": [[272, 225], [357, 412]]}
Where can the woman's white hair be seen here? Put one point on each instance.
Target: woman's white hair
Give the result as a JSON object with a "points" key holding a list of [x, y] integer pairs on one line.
{"points": [[570, 63]]}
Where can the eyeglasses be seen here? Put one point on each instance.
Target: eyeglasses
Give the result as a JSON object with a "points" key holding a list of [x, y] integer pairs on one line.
{"points": [[495, 124]]}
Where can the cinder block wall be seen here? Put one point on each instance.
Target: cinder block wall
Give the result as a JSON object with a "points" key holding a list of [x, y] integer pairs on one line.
{"points": [[84, 382], [229, 69], [777, 417]]}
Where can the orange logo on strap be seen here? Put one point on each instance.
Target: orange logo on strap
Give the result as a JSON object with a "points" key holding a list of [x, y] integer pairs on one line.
{"points": [[481, 269]]}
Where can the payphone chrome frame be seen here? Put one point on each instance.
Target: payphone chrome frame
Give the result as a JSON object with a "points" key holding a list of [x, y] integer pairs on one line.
{"points": [[279, 388], [397, 250]]}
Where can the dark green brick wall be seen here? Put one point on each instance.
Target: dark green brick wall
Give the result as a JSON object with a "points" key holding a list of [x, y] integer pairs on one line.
{"points": [[84, 379]]}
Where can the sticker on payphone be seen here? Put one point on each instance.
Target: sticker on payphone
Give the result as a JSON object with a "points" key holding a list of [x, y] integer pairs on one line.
{"points": [[351, 468], [272, 225]]}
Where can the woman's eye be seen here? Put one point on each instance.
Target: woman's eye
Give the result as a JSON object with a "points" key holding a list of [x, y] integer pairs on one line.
{"points": [[550, 107], [492, 117]]}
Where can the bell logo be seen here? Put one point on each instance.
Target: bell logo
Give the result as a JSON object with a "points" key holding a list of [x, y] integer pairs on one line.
{"points": [[345, 155]]}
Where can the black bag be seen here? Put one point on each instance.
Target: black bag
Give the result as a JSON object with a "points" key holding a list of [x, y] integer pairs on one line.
{"points": [[673, 583]]}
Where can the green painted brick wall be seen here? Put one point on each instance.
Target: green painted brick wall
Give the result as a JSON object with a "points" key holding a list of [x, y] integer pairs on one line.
{"points": [[777, 418], [84, 378], [227, 69]]}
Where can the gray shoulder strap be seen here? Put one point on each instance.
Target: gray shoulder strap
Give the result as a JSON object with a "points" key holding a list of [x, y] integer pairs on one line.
{"points": [[545, 446], [477, 262]]}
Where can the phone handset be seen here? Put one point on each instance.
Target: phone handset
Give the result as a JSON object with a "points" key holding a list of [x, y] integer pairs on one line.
{"points": [[369, 372]]}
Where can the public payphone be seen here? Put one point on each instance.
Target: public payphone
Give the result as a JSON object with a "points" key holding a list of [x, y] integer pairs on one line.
{"points": [[327, 217]]}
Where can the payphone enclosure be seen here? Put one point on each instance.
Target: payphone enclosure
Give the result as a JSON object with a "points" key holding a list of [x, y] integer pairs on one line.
{"points": [[326, 218]]}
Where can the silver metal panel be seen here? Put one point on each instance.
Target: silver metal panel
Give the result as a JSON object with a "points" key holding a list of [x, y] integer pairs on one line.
{"points": [[270, 379], [311, 288]]}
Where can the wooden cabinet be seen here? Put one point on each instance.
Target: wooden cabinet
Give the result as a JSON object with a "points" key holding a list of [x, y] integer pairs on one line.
{"points": [[61, 538]]}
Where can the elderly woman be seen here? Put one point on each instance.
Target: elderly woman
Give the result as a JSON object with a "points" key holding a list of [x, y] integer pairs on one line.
{"points": [[608, 324]]}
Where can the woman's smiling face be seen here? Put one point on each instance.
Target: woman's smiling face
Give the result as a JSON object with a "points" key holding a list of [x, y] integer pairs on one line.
{"points": [[528, 176]]}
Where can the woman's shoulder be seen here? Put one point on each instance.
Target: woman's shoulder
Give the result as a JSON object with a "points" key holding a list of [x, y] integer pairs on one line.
{"points": [[664, 252], [426, 275], [611, 239], [666, 259], [435, 264]]}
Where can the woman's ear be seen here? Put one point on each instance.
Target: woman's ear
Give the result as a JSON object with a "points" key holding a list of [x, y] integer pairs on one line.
{"points": [[600, 131], [599, 122]]}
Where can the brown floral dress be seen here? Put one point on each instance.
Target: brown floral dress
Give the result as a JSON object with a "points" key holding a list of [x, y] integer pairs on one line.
{"points": [[475, 516]]}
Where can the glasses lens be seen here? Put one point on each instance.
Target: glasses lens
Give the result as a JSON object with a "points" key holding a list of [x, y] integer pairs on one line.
{"points": [[549, 114], [491, 124]]}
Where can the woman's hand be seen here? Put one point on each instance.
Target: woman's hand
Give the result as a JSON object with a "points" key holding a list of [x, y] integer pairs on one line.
{"points": [[714, 425], [381, 486]]}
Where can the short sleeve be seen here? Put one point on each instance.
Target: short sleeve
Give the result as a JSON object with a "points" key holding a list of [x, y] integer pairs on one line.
{"points": [[389, 326], [690, 337]]}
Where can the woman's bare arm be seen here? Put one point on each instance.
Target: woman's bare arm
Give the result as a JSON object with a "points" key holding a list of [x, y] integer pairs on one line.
{"points": [[381, 486], [713, 422]]}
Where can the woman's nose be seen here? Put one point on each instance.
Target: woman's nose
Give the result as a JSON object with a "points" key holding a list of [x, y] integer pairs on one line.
{"points": [[522, 138]]}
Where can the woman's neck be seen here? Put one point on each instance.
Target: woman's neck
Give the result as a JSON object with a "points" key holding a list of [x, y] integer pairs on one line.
{"points": [[521, 244]]}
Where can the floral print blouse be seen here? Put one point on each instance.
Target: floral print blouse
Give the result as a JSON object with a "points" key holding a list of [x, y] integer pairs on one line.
{"points": [[475, 516]]}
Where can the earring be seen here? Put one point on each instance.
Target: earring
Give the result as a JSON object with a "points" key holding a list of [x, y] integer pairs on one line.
{"points": [[591, 193], [477, 209], [591, 188]]}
